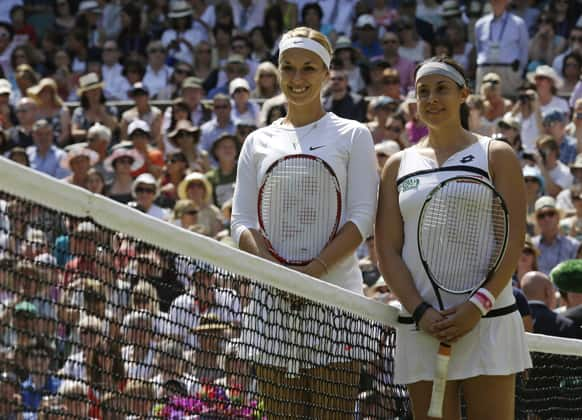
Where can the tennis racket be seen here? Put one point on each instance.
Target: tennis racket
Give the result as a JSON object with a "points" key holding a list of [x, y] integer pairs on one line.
{"points": [[299, 208], [462, 236]]}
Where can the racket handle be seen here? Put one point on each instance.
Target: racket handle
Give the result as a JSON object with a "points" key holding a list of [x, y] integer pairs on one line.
{"points": [[440, 381]]}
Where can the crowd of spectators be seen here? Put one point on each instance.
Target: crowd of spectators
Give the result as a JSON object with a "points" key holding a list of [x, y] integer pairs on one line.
{"points": [[148, 103]]}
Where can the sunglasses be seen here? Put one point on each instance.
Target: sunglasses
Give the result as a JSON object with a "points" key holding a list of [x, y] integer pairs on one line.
{"points": [[546, 214], [145, 190], [126, 160], [266, 75], [221, 106], [528, 180], [391, 81], [191, 212]]}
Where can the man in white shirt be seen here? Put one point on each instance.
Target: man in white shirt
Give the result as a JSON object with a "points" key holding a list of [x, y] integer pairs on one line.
{"points": [[557, 176], [157, 72], [116, 86]]}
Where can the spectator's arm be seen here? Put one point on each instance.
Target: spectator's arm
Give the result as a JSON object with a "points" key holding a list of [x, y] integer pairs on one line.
{"points": [[157, 132], [65, 117], [523, 46]]}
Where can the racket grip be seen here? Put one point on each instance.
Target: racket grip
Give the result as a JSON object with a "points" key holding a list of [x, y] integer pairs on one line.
{"points": [[440, 381]]}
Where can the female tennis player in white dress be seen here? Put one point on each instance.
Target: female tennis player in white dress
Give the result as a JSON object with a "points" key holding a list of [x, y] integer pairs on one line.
{"points": [[347, 147], [486, 351]]}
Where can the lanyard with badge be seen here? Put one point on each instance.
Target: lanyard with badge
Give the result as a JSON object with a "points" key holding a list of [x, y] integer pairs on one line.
{"points": [[495, 47]]}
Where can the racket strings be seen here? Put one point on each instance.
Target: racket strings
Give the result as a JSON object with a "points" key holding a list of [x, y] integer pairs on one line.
{"points": [[299, 207], [463, 228]]}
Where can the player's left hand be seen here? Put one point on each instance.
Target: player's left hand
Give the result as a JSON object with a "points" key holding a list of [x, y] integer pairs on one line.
{"points": [[459, 320]]}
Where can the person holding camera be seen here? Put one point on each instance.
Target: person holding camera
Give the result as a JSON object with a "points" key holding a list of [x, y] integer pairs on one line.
{"points": [[527, 111], [554, 123]]}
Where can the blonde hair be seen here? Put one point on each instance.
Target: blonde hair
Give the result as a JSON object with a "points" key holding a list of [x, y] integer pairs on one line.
{"points": [[145, 289], [270, 68], [305, 32]]}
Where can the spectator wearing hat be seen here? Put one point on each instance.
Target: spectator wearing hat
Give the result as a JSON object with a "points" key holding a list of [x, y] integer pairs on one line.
{"points": [[181, 37], [235, 67], [19, 155], [93, 108], [572, 226], [44, 156], [566, 277], [157, 72], [19, 330], [122, 162], [116, 85], [40, 381], [564, 198], [78, 160], [554, 122], [528, 111], [225, 152], [145, 190], [266, 81], [185, 138], [140, 135], [244, 127], [553, 246], [240, 93], [510, 128], [185, 213], [495, 105], [21, 133], [381, 109], [574, 45], [541, 297], [346, 58], [391, 54], [367, 36], [547, 83], [557, 176], [341, 101], [502, 42], [144, 111], [197, 188], [221, 122], [50, 106]]}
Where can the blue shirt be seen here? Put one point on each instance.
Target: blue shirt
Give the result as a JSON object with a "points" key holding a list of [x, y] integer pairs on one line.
{"points": [[31, 397], [568, 150], [370, 51], [49, 164], [563, 248], [508, 32], [209, 132]]}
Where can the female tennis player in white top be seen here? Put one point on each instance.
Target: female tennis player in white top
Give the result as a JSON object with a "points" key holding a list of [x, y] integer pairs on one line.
{"points": [[347, 147], [486, 352]]}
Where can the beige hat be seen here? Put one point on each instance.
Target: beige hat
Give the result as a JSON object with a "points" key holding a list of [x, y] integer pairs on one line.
{"points": [[5, 87], [183, 125], [89, 81], [179, 9], [76, 152], [44, 83], [545, 202], [548, 72], [211, 322], [120, 152], [195, 177], [491, 78]]}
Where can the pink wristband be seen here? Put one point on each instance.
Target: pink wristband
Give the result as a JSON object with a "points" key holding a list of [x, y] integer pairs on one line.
{"points": [[483, 300]]}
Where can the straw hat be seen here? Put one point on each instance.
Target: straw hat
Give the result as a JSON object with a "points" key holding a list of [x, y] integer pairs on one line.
{"points": [[46, 82], [179, 9], [210, 322], [76, 152], [450, 9], [89, 81], [195, 177], [123, 152], [548, 72], [183, 125]]}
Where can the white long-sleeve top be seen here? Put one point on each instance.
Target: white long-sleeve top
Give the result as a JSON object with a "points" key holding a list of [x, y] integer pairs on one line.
{"points": [[346, 145]]}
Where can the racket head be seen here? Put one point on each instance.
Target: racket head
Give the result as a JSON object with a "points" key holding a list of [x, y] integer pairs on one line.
{"points": [[299, 207], [463, 231]]}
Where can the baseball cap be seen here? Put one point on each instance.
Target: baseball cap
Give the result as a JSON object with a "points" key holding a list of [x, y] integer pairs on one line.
{"points": [[5, 87], [553, 115], [238, 83], [26, 307], [138, 125], [366, 20], [192, 82]]}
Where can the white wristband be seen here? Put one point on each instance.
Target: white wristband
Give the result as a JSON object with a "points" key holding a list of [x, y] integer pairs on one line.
{"points": [[484, 300]]}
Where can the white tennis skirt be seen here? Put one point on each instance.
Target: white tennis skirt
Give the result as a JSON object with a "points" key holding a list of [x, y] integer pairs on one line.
{"points": [[496, 346]]}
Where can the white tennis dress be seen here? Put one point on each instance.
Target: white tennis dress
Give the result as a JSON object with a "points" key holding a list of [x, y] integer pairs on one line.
{"points": [[496, 346], [347, 147]]}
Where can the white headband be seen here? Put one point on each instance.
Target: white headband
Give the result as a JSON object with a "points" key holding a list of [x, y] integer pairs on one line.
{"points": [[443, 69], [306, 44]]}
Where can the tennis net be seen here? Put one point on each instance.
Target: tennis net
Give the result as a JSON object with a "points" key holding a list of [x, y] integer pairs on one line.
{"points": [[109, 313]]}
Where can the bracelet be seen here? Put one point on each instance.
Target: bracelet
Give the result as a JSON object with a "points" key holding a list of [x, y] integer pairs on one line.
{"points": [[484, 300], [420, 310], [323, 264]]}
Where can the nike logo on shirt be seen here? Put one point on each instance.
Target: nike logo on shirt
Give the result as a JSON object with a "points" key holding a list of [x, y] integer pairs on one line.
{"points": [[312, 148]]}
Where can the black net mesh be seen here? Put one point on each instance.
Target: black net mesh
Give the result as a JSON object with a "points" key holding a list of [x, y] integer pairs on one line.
{"points": [[96, 323]]}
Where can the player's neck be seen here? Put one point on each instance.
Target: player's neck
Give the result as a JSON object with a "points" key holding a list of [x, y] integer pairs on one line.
{"points": [[300, 116], [448, 137]]}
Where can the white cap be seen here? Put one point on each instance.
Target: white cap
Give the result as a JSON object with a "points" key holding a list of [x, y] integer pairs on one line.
{"points": [[366, 20], [238, 83], [5, 87], [138, 125], [387, 147]]}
